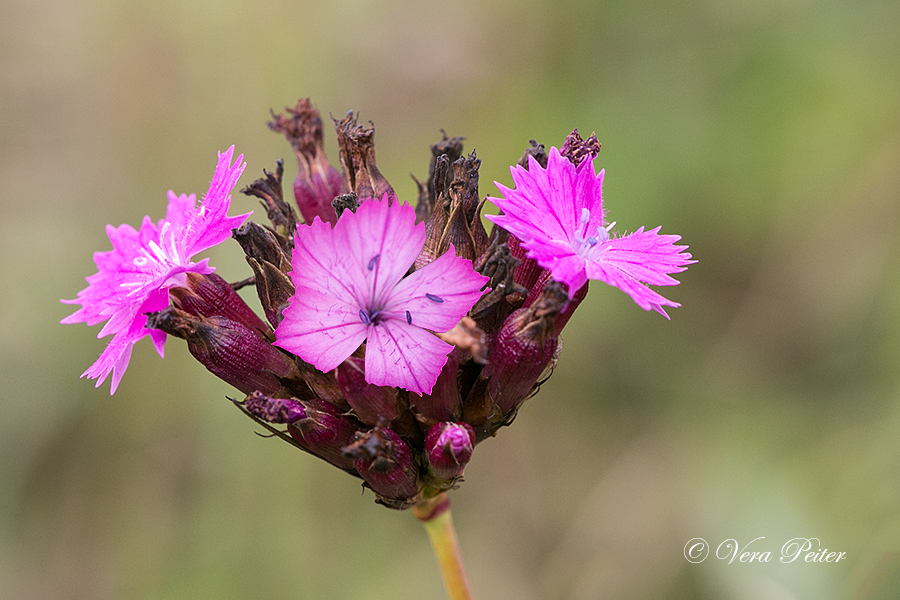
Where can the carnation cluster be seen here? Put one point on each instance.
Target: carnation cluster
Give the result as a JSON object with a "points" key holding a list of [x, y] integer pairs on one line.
{"points": [[395, 336]]}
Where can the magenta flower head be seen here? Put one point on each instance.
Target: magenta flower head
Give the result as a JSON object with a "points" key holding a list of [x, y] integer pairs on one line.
{"points": [[350, 288], [134, 277], [557, 213]]}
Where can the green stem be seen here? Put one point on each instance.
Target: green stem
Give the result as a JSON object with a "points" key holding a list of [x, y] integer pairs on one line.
{"points": [[434, 513]]}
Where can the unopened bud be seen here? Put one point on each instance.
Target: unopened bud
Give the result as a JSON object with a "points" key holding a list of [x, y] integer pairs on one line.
{"points": [[229, 350], [324, 431], [211, 296], [317, 182], [443, 403], [371, 403], [523, 349], [386, 464], [448, 448], [360, 174]]}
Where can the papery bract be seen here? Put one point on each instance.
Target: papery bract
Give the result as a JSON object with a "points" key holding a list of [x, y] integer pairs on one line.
{"points": [[134, 277], [557, 213], [350, 288]]}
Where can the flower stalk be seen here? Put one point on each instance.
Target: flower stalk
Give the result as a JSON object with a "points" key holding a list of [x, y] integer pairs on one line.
{"points": [[434, 513]]}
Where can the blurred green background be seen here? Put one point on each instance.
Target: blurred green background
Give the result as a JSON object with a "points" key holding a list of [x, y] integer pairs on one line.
{"points": [[766, 133]]}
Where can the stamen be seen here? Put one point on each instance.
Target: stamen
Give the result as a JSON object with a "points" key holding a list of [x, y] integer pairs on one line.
{"points": [[434, 298], [373, 262], [369, 317], [408, 318], [585, 216], [157, 252]]}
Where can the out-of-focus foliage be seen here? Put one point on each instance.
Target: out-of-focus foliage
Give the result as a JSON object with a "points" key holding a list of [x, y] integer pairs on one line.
{"points": [[766, 133]]}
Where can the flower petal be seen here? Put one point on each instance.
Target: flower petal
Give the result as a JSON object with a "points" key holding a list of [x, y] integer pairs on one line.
{"points": [[647, 256], [557, 214], [641, 294], [398, 354], [134, 277], [114, 358], [384, 241], [438, 295], [320, 328], [205, 226]]}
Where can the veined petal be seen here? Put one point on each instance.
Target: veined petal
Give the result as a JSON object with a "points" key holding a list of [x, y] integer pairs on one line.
{"points": [[398, 354], [438, 295], [321, 329], [320, 257], [383, 241], [357, 268]]}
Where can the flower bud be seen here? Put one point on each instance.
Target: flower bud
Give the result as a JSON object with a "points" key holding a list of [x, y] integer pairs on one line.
{"points": [[386, 464], [212, 296], [317, 182], [448, 448], [523, 349], [324, 431], [371, 403], [360, 174], [229, 350]]}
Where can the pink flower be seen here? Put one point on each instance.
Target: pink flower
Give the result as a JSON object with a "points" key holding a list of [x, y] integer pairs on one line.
{"points": [[134, 277], [557, 213], [350, 288]]}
